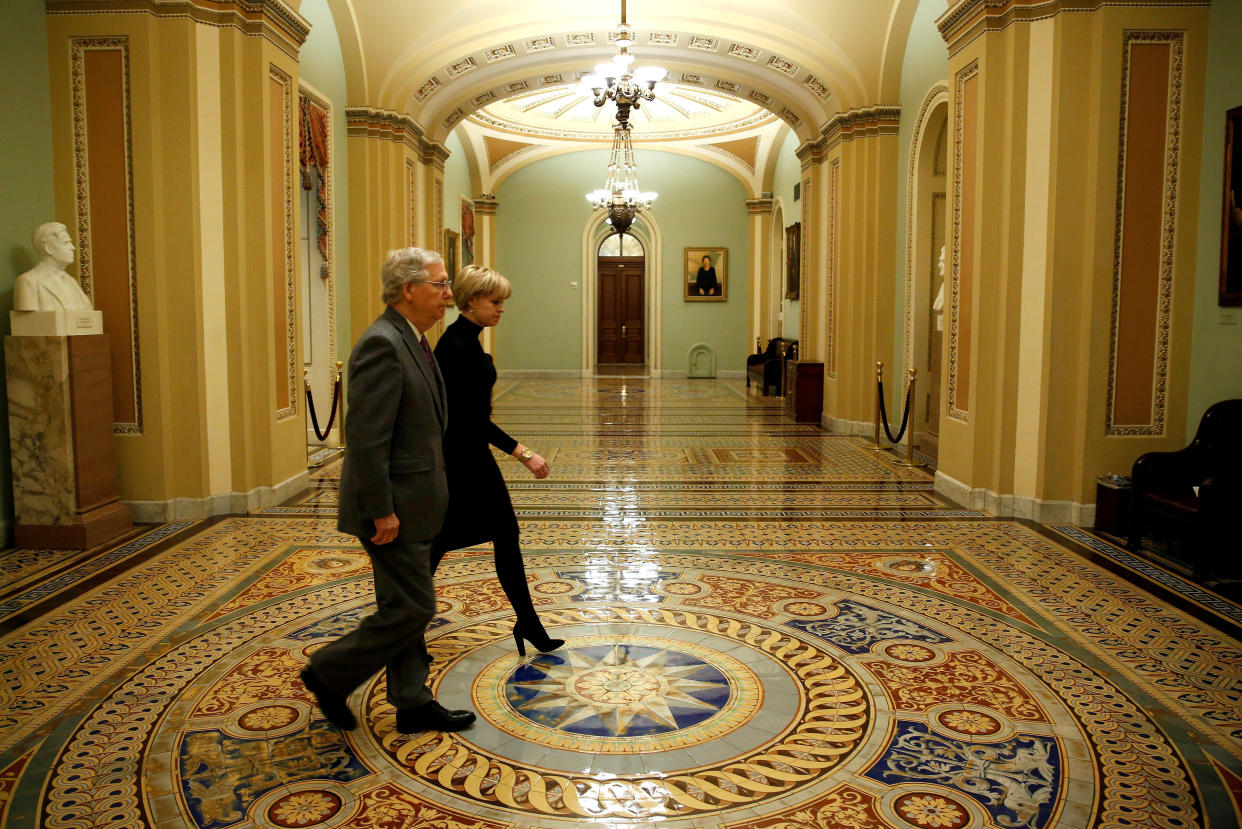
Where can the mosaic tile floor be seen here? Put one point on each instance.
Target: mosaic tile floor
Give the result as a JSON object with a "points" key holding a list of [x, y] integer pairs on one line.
{"points": [[766, 627]]}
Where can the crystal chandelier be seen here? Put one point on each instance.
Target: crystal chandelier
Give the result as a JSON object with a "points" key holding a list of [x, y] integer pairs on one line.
{"points": [[615, 82], [620, 195]]}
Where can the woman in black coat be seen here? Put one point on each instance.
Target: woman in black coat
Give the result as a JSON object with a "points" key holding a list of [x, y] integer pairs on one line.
{"points": [[479, 508]]}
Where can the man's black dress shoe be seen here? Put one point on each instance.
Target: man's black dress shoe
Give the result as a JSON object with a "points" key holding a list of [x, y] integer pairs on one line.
{"points": [[332, 704], [432, 717]]}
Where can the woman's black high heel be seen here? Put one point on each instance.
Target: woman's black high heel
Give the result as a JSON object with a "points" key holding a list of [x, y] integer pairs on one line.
{"points": [[540, 640]]}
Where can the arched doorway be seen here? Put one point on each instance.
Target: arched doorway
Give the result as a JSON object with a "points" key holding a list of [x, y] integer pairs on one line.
{"points": [[647, 232], [318, 269], [926, 226], [621, 312]]}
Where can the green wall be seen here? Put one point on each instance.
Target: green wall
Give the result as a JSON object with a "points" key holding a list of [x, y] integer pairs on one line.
{"points": [[321, 65], [540, 223], [26, 191], [788, 172], [1216, 347]]}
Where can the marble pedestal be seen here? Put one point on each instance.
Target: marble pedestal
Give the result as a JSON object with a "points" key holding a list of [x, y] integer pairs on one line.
{"points": [[65, 490]]}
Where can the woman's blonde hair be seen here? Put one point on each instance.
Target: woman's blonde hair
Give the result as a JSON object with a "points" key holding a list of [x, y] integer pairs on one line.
{"points": [[475, 281]]}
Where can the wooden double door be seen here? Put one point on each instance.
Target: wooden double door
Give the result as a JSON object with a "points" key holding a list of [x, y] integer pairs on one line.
{"points": [[621, 332]]}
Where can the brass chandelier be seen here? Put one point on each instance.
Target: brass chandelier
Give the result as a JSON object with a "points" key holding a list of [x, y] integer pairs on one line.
{"points": [[615, 82]]}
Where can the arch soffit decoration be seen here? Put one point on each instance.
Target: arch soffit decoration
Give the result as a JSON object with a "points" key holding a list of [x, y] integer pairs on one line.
{"points": [[754, 180]]}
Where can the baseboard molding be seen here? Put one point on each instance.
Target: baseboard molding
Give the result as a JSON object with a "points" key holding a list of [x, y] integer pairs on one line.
{"points": [[533, 374], [1015, 506], [685, 375], [841, 426], [225, 503]]}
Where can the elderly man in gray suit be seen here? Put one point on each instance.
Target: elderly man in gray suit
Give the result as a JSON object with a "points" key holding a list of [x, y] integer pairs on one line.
{"points": [[393, 497]]}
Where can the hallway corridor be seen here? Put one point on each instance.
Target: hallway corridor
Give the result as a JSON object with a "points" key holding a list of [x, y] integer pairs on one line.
{"points": [[767, 627]]}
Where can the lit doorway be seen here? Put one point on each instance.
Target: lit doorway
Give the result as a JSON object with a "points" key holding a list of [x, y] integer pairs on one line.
{"points": [[621, 328]]}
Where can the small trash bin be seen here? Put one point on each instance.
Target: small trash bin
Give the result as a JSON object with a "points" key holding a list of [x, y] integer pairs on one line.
{"points": [[1112, 504]]}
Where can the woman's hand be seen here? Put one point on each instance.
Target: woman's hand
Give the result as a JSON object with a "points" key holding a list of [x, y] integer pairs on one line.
{"points": [[537, 466]]}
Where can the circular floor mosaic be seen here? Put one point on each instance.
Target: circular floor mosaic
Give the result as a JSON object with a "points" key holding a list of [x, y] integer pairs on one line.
{"points": [[756, 694]]}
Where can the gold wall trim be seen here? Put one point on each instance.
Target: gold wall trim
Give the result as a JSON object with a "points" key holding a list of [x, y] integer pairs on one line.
{"points": [[130, 363], [269, 19], [283, 176], [939, 94], [437, 239], [330, 211], [958, 350], [411, 200], [969, 19], [386, 125], [849, 126], [1168, 216], [830, 293], [808, 217]]}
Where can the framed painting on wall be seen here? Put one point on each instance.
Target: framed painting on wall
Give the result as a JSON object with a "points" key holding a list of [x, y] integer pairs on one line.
{"points": [[467, 232], [450, 253], [793, 260], [706, 277], [1231, 223]]}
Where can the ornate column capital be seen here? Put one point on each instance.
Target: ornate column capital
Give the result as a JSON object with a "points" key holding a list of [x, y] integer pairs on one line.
{"points": [[761, 206], [485, 205]]}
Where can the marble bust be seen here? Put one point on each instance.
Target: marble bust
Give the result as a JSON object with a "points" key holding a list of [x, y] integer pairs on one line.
{"points": [[938, 303], [46, 286]]}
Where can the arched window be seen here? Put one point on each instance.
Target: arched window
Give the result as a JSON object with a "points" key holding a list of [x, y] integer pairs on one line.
{"points": [[620, 245]]}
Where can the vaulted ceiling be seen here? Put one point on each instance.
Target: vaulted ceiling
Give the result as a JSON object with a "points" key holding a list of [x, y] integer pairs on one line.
{"points": [[801, 60]]}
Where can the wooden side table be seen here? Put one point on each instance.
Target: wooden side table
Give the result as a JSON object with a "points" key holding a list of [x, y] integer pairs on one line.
{"points": [[804, 391]]}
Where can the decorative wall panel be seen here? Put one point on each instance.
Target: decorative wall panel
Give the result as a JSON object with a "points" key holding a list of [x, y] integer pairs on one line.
{"points": [[283, 239], [961, 294], [1147, 168], [830, 294], [103, 174]]}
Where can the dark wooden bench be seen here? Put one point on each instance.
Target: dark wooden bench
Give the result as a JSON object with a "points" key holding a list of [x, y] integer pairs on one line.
{"points": [[1191, 498], [767, 368]]}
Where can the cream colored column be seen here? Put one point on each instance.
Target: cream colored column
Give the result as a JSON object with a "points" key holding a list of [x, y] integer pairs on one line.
{"points": [[175, 160], [865, 207], [396, 185], [761, 272], [1073, 192], [850, 247], [485, 249]]}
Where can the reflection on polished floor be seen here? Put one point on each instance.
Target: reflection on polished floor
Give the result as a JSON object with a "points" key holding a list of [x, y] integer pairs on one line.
{"points": [[766, 627]]}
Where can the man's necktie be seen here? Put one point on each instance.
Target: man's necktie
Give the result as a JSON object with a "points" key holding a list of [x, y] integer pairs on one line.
{"points": [[422, 340]]}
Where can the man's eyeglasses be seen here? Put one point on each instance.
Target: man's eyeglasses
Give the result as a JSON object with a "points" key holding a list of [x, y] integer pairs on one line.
{"points": [[440, 286]]}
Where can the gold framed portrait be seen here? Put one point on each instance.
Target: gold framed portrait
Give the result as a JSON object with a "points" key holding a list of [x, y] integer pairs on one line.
{"points": [[706, 275]]}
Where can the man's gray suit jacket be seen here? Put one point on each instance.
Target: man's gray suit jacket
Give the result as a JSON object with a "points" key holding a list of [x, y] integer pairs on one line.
{"points": [[394, 435]]}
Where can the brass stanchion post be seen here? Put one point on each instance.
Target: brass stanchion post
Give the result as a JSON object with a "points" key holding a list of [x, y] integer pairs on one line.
{"points": [[341, 417], [910, 461], [879, 378]]}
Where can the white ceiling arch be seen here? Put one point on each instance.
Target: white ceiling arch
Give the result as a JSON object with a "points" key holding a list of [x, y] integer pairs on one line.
{"points": [[810, 59]]}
